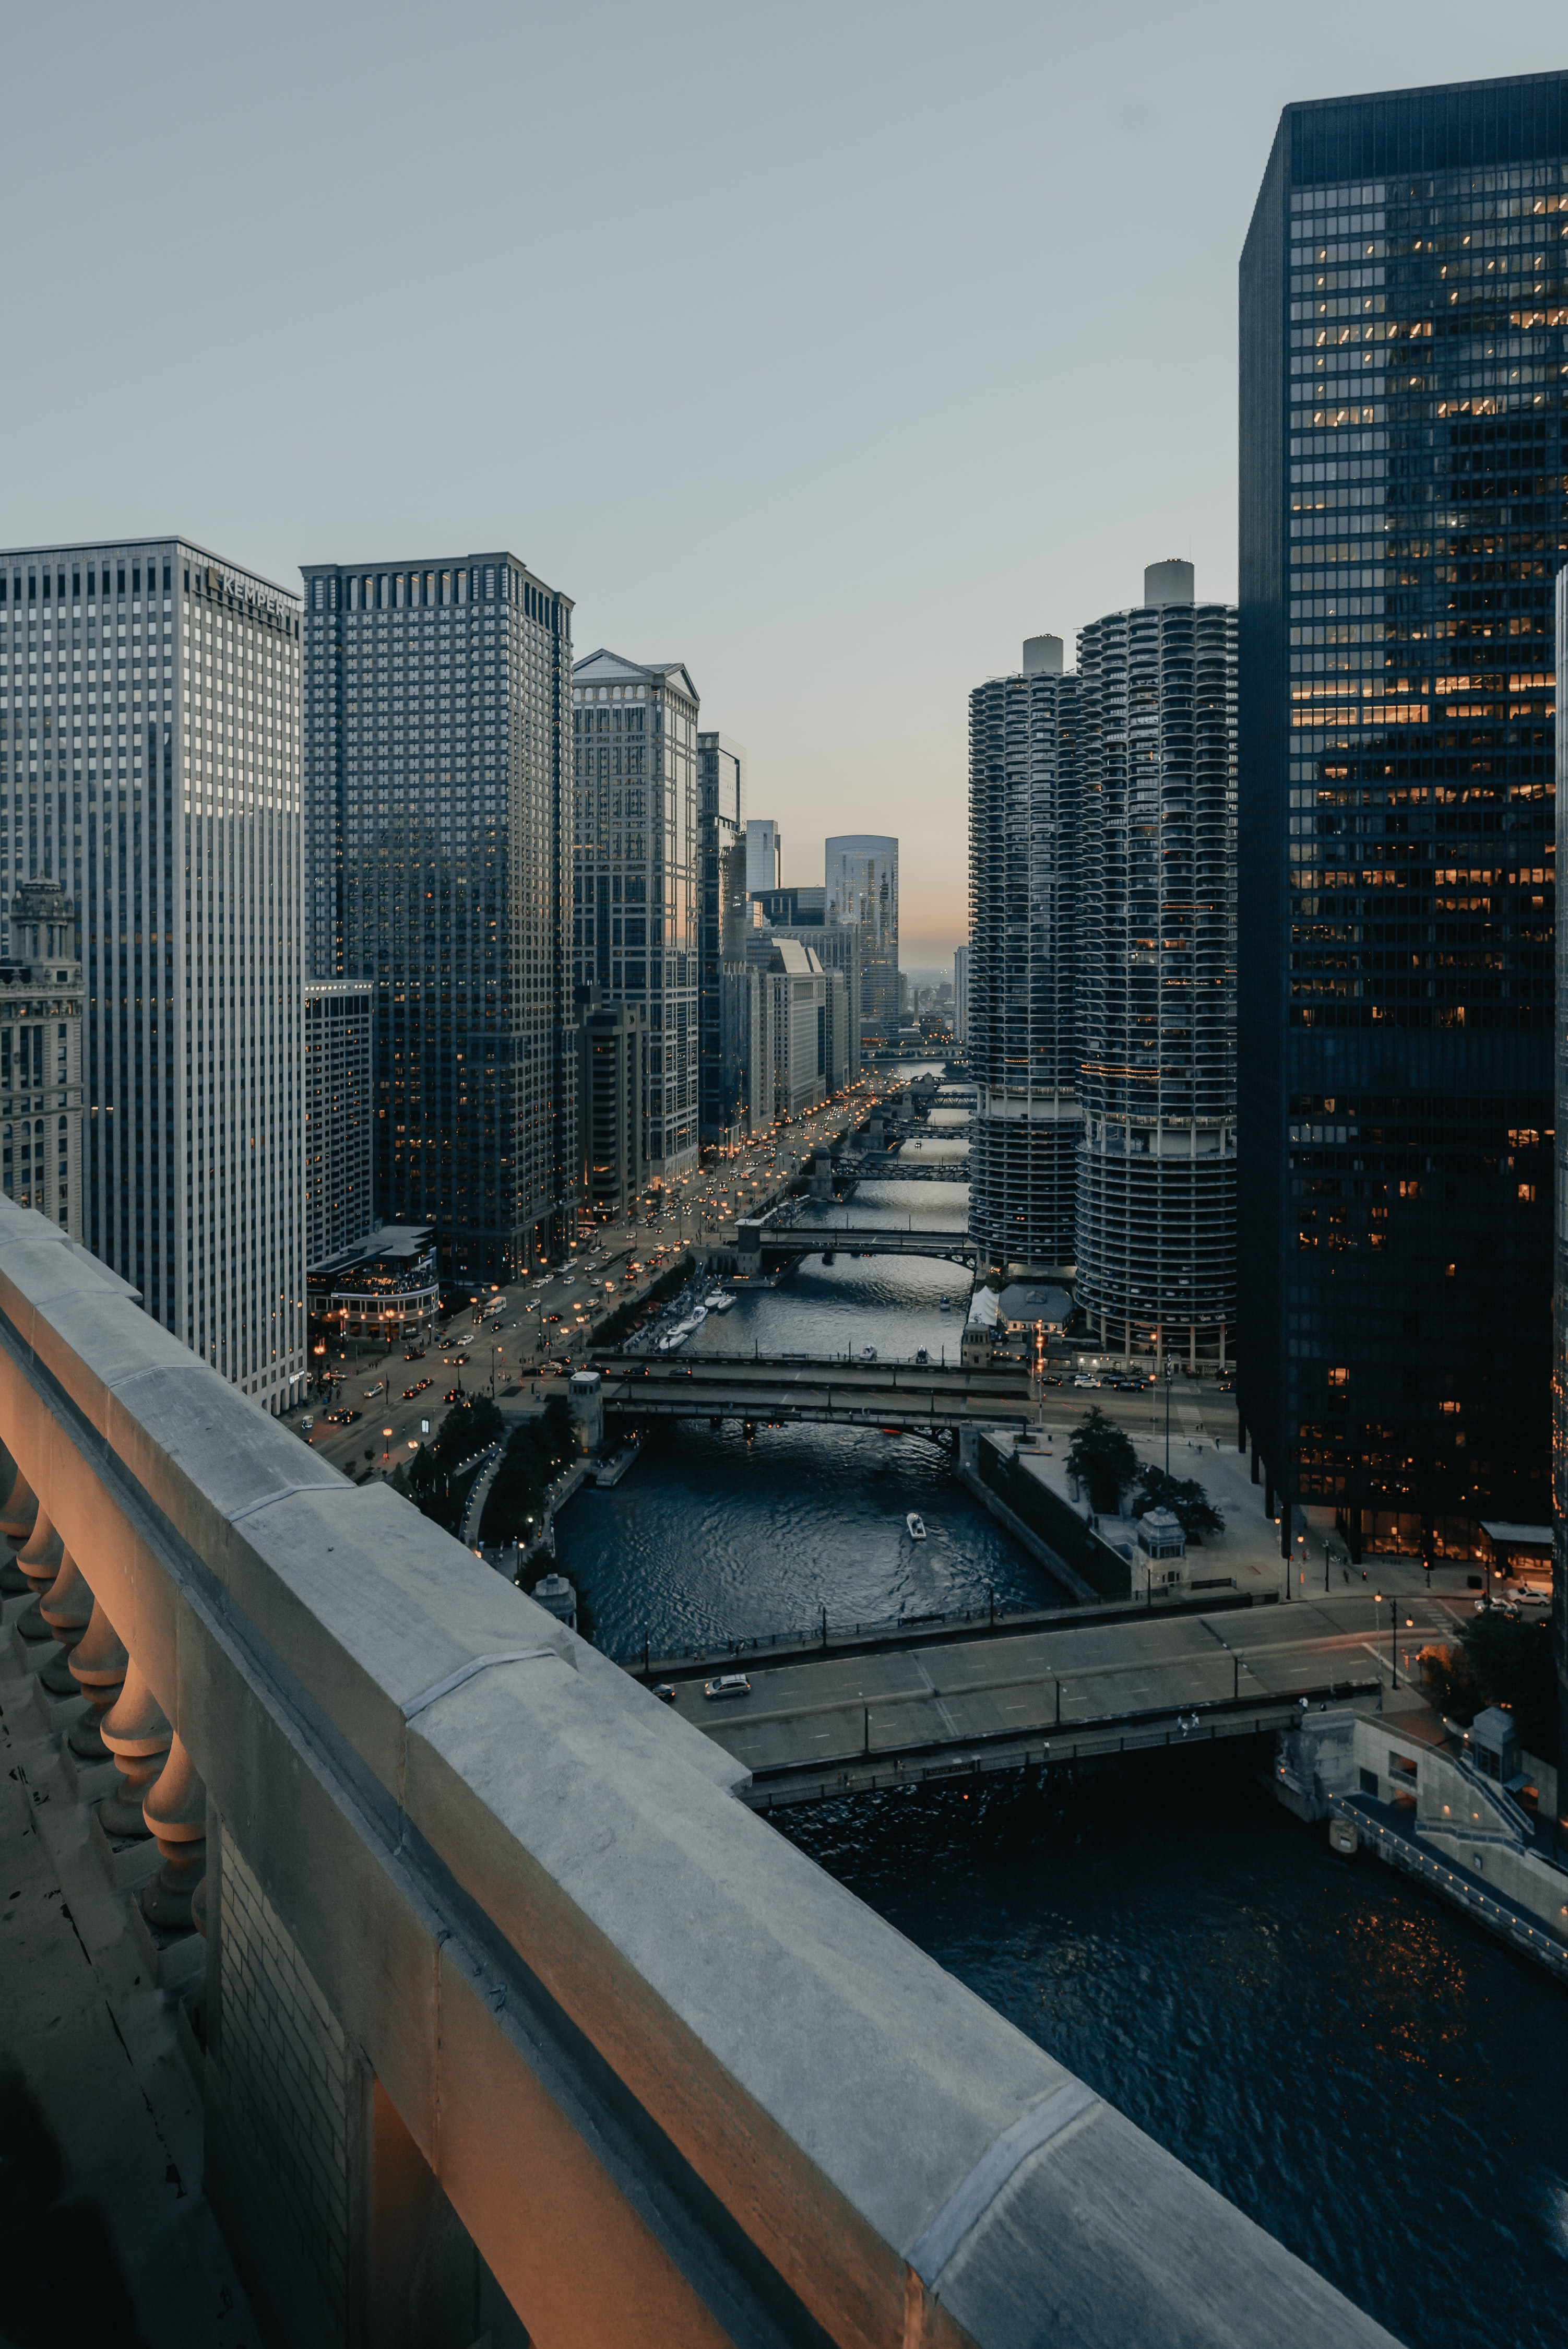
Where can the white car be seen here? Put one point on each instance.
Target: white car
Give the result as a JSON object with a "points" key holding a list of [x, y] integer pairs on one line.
{"points": [[1082, 1382]]}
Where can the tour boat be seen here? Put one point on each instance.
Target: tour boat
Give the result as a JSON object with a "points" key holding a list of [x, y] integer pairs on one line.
{"points": [[916, 1525]]}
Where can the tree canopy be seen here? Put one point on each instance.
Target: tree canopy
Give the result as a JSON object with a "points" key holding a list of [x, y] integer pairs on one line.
{"points": [[1498, 1659], [1102, 1456], [1186, 1500]]}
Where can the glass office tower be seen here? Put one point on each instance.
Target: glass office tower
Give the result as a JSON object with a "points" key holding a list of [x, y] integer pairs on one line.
{"points": [[721, 818], [862, 879], [437, 791], [1023, 985], [635, 886], [1403, 300]]}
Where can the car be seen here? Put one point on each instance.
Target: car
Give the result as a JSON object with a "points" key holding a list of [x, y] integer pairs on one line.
{"points": [[1083, 1380], [1052, 1379], [665, 1691], [415, 1354], [553, 1317], [453, 1394], [343, 1418], [727, 1685]]}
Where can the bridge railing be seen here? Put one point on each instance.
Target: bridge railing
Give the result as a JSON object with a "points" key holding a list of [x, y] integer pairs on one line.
{"points": [[504, 1992]]}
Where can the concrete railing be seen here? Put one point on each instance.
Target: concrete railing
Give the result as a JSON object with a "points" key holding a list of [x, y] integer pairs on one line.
{"points": [[509, 2006]]}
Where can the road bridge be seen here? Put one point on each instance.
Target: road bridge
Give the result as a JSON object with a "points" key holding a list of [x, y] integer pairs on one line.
{"points": [[916, 1398], [887, 1166], [852, 1239], [814, 1730]]}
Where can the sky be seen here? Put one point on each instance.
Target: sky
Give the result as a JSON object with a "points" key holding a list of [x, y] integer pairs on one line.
{"points": [[832, 349]]}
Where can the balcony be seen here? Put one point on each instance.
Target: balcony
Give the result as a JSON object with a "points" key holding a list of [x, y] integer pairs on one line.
{"points": [[453, 1995]]}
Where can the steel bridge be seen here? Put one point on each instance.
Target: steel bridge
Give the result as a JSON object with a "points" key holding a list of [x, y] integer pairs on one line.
{"points": [[915, 1398], [852, 1239]]}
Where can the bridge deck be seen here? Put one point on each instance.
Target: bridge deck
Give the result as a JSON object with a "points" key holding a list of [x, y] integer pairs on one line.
{"points": [[902, 1394], [810, 1729]]}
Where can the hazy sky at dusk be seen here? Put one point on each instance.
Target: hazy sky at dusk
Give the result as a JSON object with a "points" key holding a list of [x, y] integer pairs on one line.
{"points": [[830, 349]]}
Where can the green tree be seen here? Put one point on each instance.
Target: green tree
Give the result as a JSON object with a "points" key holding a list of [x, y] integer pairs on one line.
{"points": [[1102, 1456], [1498, 1659], [537, 1452], [1186, 1500]]}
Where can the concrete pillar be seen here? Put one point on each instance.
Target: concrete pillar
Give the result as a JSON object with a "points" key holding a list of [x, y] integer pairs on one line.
{"points": [[585, 1396], [1255, 1459], [1354, 1536], [135, 1732], [38, 1565], [1240, 1432]]}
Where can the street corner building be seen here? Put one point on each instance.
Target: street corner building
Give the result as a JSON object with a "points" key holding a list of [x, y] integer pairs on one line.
{"points": [[1404, 293]]}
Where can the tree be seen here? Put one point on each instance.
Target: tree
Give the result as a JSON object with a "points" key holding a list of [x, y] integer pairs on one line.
{"points": [[1103, 1457], [537, 1452], [1186, 1500], [1501, 1660]]}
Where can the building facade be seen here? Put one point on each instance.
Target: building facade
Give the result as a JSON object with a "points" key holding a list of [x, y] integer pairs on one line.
{"points": [[764, 855], [1156, 1205], [156, 777], [862, 880], [1023, 996], [339, 1115], [721, 814], [438, 793], [610, 1083], [961, 995], [634, 932], [1404, 286], [41, 1056], [799, 1020]]}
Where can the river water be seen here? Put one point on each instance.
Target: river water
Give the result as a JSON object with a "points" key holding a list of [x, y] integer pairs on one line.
{"points": [[1375, 2082]]}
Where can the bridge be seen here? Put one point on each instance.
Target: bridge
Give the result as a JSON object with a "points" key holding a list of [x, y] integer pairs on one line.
{"points": [[915, 1398], [1013, 1699], [446, 1972], [763, 1240], [887, 1166]]}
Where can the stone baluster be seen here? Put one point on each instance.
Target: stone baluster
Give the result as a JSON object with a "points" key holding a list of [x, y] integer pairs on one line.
{"points": [[135, 1732], [97, 1664], [14, 1583], [66, 1607], [38, 1563], [176, 1811]]}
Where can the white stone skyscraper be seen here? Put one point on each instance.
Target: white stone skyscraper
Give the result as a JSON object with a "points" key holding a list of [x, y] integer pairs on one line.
{"points": [[634, 891], [151, 767]]}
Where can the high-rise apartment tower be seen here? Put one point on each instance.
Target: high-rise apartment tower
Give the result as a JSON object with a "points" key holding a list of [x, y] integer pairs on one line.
{"points": [[634, 890], [156, 777], [1156, 1207], [1025, 984], [1404, 290], [338, 1030], [41, 1056], [438, 784]]}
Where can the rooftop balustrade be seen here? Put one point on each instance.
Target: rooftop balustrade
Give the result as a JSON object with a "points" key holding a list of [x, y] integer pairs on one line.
{"points": [[514, 2016]]}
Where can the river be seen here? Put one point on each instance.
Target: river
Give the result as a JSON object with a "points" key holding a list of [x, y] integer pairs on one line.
{"points": [[1375, 2081]]}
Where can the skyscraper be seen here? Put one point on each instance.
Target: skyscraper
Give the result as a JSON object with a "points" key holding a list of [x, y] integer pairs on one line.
{"points": [[156, 778], [960, 995], [721, 817], [764, 855], [41, 1056], [438, 785], [1025, 982], [634, 892], [1156, 1207], [861, 877], [339, 1115], [1404, 290]]}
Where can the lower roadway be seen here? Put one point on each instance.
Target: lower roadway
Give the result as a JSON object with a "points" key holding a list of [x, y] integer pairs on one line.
{"points": [[804, 1725]]}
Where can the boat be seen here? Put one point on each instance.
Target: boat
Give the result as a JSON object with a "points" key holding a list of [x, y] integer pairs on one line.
{"points": [[868, 1353], [676, 1337], [916, 1525], [947, 1305], [719, 1301], [699, 1313]]}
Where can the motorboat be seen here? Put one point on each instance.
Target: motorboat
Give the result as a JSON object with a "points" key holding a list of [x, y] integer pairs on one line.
{"points": [[947, 1305], [868, 1353], [699, 1313], [676, 1337], [916, 1525], [719, 1301]]}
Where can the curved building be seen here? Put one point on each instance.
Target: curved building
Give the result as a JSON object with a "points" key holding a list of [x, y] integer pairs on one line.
{"points": [[1157, 1167], [1020, 1019]]}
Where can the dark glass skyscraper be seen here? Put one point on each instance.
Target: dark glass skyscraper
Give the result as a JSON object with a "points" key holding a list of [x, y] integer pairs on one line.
{"points": [[1404, 295], [438, 765]]}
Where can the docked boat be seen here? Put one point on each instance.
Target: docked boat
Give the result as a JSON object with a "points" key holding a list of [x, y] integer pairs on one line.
{"points": [[868, 1353], [947, 1305], [719, 1301], [916, 1525], [699, 1313], [676, 1337]]}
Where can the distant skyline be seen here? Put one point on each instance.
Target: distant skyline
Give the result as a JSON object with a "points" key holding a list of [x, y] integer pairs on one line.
{"points": [[831, 351]]}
